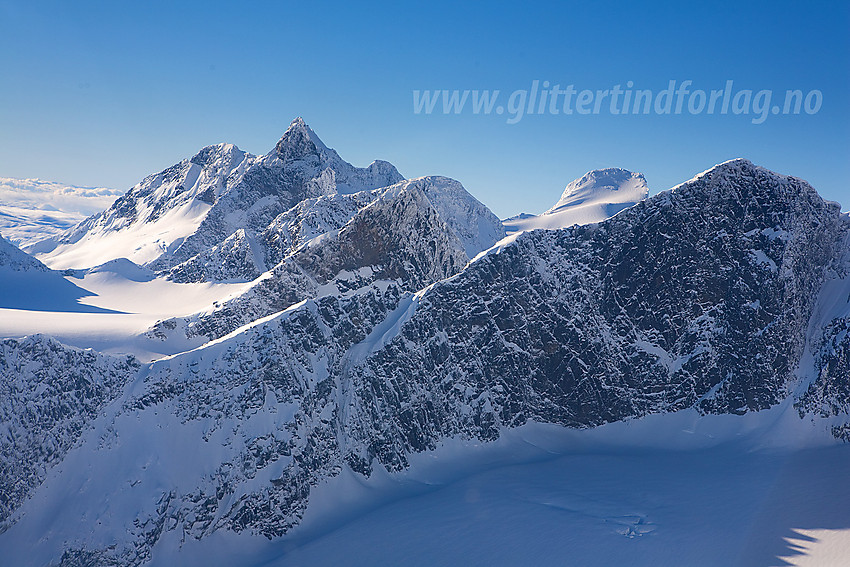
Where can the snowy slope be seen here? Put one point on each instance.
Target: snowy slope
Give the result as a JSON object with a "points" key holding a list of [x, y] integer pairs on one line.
{"points": [[598, 195], [28, 285], [32, 209], [397, 236], [105, 311], [153, 218], [698, 300], [170, 217]]}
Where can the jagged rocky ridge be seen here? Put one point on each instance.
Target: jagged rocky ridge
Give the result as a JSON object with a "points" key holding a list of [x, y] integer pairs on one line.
{"points": [[200, 202], [699, 297], [227, 215], [406, 234]]}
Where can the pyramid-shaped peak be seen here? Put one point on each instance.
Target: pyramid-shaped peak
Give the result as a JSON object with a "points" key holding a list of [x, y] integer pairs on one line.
{"points": [[299, 142]]}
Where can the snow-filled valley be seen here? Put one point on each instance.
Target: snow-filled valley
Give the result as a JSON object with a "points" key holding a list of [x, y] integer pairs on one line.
{"points": [[621, 501], [105, 311], [290, 360], [674, 489]]}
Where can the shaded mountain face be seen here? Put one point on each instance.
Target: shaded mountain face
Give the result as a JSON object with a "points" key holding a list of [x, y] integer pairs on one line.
{"points": [[405, 235], [26, 283], [49, 394], [828, 395], [699, 297], [708, 296], [824, 388]]}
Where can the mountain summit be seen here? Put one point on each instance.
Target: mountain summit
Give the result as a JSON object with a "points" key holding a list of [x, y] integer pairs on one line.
{"points": [[598, 195], [227, 215], [602, 192], [171, 216], [298, 142]]}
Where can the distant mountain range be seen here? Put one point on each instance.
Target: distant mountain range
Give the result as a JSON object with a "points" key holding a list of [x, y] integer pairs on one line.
{"points": [[364, 319]]}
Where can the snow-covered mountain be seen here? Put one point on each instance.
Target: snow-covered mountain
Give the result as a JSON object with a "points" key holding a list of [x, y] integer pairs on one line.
{"points": [[12, 259], [220, 215], [172, 216], [373, 339], [405, 235], [33, 209], [154, 217], [598, 195]]}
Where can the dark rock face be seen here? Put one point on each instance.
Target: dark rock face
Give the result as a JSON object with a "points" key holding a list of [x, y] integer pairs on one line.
{"points": [[696, 298], [829, 393], [397, 236], [49, 393], [310, 218], [400, 237]]}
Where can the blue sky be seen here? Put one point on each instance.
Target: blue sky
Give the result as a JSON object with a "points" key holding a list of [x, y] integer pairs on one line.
{"points": [[106, 93]]}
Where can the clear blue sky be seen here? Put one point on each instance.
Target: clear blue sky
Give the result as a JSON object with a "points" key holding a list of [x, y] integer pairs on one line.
{"points": [[106, 93]]}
